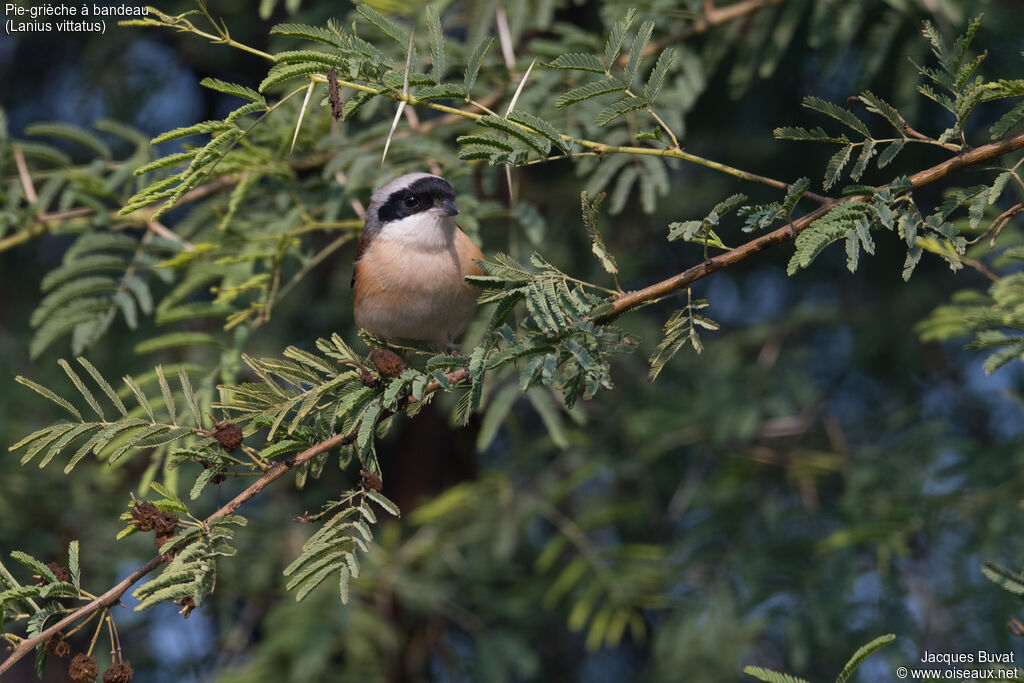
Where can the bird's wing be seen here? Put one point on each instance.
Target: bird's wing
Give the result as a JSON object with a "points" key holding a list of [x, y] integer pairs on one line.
{"points": [[468, 251]]}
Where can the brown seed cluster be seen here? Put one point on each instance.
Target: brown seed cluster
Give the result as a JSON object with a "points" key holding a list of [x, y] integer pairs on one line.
{"points": [[62, 573], [371, 481], [148, 517], [56, 645], [368, 379], [388, 363], [119, 673], [143, 515], [228, 435], [83, 668]]}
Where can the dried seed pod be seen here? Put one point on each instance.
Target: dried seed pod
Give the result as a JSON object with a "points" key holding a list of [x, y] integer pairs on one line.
{"points": [[228, 435], [83, 668], [119, 673], [371, 481], [62, 573], [56, 645], [144, 515], [164, 523], [388, 363], [368, 379], [160, 539]]}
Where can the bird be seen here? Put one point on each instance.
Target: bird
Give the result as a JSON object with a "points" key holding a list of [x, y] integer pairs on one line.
{"points": [[409, 276]]}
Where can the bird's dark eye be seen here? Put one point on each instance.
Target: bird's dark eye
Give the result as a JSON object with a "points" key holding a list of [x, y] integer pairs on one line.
{"points": [[411, 201]]}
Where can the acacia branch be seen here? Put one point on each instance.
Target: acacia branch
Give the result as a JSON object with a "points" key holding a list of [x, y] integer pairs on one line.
{"points": [[788, 232], [276, 471]]}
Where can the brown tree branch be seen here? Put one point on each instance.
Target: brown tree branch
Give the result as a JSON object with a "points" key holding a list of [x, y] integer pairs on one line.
{"points": [[788, 232], [276, 471]]}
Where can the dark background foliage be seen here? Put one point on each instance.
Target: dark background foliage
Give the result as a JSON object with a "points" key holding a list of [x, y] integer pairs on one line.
{"points": [[817, 477]]}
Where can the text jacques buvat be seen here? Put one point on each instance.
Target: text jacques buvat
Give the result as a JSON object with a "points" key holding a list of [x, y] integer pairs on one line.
{"points": [[71, 18]]}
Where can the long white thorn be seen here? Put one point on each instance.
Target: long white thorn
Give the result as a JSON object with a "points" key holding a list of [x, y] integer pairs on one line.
{"points": [[302, 113], [515, 98], [401, 105]]}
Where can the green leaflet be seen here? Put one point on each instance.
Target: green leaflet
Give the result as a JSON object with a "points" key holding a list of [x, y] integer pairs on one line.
{"points": [[540, 126], [233, 89], [769, 676], [620, 108], [386, 26], [656, 79], [879, 106], [442, 91], [437, 66], [817, 134], [838, 113], [636, 50], [616, 36], [475, 60], [538, 142], [195, 129], [1007, 121], [589, 91], [835, 165], [285, 72], [315, 33], [577, 61], [325, 59]]}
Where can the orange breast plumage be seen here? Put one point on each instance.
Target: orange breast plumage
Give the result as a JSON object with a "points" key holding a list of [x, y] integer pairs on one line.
{"points": [[405, 292]]}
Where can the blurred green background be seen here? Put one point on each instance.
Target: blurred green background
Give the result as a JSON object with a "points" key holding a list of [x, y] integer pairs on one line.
{"points": [[817, 477]]}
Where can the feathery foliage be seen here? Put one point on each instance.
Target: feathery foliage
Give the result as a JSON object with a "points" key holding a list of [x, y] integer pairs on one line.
{"points": [[249, 216]]}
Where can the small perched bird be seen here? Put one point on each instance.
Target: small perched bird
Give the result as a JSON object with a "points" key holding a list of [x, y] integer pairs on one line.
{"points": [[409, 275]]}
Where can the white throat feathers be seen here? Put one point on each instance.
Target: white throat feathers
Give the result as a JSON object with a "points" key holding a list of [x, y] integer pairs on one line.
{"points": [[424, 231]]}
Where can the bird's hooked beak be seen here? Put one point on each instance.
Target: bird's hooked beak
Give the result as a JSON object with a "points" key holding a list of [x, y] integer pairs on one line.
{"points": [[446, 208]]}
